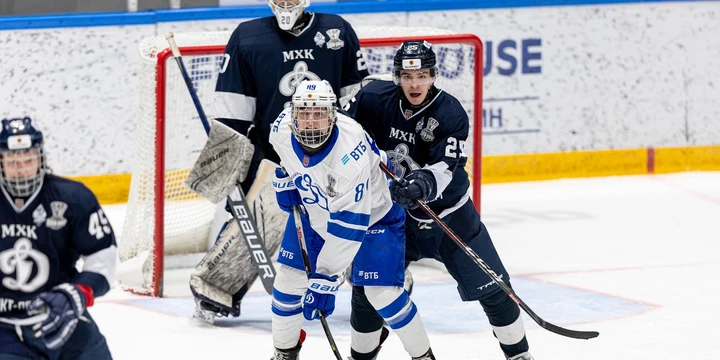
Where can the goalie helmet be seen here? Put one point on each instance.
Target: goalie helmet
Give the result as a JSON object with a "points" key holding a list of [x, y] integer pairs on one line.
{"points": [[22, 159], [414, 55], [313, 113], [287, 12]]}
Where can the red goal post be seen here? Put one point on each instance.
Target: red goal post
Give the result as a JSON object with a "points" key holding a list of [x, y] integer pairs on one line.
{"points": [[178, 222]]}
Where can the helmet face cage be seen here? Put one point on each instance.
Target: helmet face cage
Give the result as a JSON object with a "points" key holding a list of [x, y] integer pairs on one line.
{"points": [[22, 158], [313, 113], [22, 171], [312, 125], [287, 11], [414, 55]]}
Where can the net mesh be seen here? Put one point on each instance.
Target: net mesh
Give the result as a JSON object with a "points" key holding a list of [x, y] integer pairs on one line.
{"points": [[173, 125]]}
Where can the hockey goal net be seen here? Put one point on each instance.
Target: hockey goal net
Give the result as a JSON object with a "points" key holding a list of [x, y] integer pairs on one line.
{"points": [[165, 220]]}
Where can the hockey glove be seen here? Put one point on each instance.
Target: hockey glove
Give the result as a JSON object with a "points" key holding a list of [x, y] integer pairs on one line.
{"points": [[285, 190], [417, 185], [64, 305], [320, 296]]}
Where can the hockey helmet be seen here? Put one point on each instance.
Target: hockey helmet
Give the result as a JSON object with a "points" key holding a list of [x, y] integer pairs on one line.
{"points": [[22, 159], [414, 55], [313, 113], [287, 12]]}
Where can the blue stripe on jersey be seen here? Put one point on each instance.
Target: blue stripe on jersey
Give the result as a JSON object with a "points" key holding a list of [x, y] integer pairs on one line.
{"points": [[345, 233], [350, 217], [372, 143]]}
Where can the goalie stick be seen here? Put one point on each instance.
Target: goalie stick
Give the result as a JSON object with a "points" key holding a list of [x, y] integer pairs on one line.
{"points": [[575, 334], [237, 200], [308, 270]]}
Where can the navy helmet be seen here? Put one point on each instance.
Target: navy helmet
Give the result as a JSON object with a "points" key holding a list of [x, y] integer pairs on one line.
{"points": [[22, 159], [414, 55]]}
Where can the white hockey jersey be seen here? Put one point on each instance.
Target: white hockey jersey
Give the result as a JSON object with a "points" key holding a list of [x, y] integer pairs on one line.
{"points": [[342, 187]]}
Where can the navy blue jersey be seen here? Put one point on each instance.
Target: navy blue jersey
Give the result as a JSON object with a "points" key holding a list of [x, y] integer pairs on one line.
{"points": [[432, 138], [263, 66], [43, 237]]}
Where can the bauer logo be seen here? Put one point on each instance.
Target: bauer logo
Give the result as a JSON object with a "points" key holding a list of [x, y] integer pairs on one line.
{"points": [[324, 288]]}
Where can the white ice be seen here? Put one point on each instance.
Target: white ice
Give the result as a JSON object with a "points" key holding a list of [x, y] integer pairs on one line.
{"points": [[636, 258]]}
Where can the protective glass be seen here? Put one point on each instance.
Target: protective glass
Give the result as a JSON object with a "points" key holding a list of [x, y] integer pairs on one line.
{"points": [[22, 171]]}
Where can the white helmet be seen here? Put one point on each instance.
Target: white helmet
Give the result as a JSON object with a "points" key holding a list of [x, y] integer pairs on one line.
{"points": [[287, 11], [313, 113]]}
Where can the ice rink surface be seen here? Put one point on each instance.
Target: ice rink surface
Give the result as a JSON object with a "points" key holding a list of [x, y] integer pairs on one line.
{"points": [[636, 258]]}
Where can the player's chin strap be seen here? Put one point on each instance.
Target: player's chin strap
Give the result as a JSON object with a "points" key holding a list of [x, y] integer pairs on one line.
{"points": [[575, 334]]}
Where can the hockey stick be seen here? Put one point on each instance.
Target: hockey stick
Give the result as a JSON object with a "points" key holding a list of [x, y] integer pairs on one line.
{"points": [[236, 199], [308, 270], [575, 334]]}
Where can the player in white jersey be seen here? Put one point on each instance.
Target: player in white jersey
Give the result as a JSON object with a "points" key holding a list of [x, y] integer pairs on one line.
{"points": [[330, 169]]}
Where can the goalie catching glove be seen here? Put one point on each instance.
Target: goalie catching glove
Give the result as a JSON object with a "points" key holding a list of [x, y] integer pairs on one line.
{"points": [[222, 164]]}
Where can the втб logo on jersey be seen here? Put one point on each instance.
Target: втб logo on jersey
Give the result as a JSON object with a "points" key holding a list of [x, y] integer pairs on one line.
{"points": [[291, 80]]}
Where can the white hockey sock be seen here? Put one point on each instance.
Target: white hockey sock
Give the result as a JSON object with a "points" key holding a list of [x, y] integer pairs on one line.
{"points": [[510, 334], [364, 342], [395, 306], [287, 319]]}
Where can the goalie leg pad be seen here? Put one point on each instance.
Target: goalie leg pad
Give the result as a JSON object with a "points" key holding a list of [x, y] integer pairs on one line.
{"points": [[227, 270]]}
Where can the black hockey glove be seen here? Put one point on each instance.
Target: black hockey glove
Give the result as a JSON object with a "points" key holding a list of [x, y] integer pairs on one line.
{"points": [[416, 186], [64, 306]]}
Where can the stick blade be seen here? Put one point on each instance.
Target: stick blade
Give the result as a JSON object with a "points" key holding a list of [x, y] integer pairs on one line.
{"points": [[575, 334]]}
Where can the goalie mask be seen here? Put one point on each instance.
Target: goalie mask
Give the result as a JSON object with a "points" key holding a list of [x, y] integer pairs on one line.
{"points": [[412, 57], [313, 113], [22, 159], [287, 12]]}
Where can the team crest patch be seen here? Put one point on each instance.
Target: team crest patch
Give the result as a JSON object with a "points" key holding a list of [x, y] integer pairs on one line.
{"points": [[330, 189], [419, 125], [306, 160], [427, 133], [39, 215], [57, 220], [19, 203], [408, 113], [319, 39], [334, 43]]}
